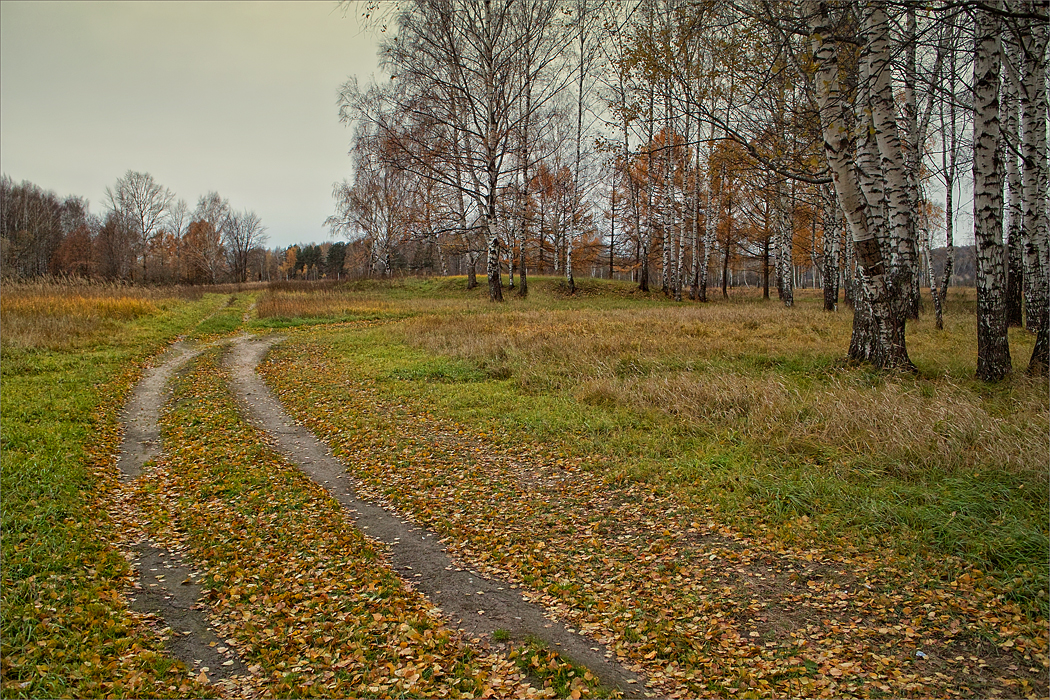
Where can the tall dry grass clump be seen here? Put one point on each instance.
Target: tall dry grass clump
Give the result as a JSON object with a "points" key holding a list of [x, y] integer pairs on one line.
{"points": [[892, 427], [368, 298], [775, 376], [323, 302], [54, 315]]}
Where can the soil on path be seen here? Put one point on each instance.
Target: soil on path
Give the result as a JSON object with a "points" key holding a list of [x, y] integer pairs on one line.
{"points": [[478, 605], [141, 442], [165, 587]]}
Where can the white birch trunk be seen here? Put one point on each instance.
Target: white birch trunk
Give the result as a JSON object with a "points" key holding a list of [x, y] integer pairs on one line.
{"points": [[667, 238], [913, 136], [786, 238], [710, 220], [949, 152], [1009, 110], [441, 257], [899, 200], [835, 114], [488, 205], [493, 268], [694, 218], [993, 351], [1035, 188], [680, 257]]}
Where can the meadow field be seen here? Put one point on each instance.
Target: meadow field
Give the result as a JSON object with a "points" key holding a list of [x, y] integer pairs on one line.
{"points": [[708, 490]]}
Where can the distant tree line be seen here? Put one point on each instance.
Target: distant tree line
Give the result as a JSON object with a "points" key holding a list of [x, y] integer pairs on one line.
{"points": [[145, 235]]}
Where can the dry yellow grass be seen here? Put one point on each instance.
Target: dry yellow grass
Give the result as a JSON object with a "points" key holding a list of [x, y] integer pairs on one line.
{"points": [[912, 431], [754, 368], [322, 303], [367, 298], [767, 373], [58, 314], [47, 315]]}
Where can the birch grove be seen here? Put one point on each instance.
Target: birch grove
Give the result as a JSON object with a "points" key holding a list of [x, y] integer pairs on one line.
{"points": [[858, 132]]}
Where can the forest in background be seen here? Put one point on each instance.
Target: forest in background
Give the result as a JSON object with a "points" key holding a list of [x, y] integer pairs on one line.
{"points": [[47, 235], [684, 146]]}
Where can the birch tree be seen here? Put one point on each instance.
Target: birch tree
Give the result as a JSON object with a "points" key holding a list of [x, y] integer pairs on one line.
{"points": [[993, 350], [538, 53], [1010, 106], [375, 208], [583, 21], [1035, 186], [880, 322], [947, 107]]}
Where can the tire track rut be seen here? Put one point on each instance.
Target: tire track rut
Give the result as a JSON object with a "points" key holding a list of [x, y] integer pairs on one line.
{"points": [[165, 585], [477, 604]]}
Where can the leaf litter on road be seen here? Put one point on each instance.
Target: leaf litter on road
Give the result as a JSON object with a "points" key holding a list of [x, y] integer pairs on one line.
{"points": [[701, 609], [306, 600], [84, 641]]}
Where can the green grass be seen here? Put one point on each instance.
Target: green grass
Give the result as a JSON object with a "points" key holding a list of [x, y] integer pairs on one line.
{"points": [[299, 321], [65, 630], [228, 318], [743, 406], [565, 678]]}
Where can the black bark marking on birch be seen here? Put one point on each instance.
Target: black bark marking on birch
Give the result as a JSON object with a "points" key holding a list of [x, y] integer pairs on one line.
{"points": [[869, 250], [412, 549]]}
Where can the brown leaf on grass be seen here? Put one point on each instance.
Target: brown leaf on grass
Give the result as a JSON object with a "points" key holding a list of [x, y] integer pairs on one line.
{"points": [[307, 599], [654, 576]]}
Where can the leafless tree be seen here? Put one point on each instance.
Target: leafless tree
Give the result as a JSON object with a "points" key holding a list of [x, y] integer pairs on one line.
{"points": [[242, 232], [376, 207], [453, 113], [178, 220], [140, 205], [32, 225], [204, 238]]}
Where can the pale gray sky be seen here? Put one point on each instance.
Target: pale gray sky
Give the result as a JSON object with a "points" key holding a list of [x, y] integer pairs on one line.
{"points": [[235, 97]]}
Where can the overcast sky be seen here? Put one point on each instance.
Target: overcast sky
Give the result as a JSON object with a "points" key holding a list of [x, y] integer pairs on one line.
{"points": [[238, 97]]}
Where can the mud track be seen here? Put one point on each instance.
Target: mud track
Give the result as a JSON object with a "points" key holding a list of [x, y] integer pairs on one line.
{"points": [[165, 585], [477, 605], [165, 588]]}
